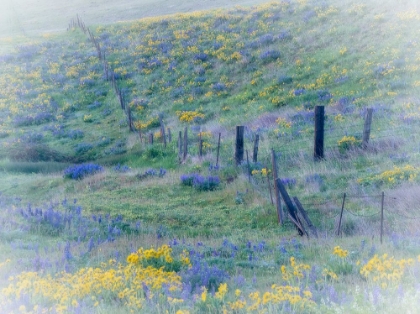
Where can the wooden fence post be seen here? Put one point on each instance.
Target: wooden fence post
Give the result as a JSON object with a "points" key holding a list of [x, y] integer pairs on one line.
{"points": [[185, 143], [382, 215], [239, 145], [319, 133], [305, 216], [249, 167], [200, 145], [169, 135], [255, 155], [269, 188], [366, 129], [162, 131], [280, 216], [151, 138], [180, 146], [218, 150], [341, 215], [290, 207]]}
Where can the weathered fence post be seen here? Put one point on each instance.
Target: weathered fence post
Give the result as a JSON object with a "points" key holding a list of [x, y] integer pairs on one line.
{"points": [[180, 146], [382, 215], [169, 135], [280, 216], [185, 143], [218, 150], [239, 145], [366, 129], [249, 166], [162, 131], [290, 207], [255, 155], [269, 188], [305, 216], [341, 215], [319, 133], [200, 145], [151, 138]]}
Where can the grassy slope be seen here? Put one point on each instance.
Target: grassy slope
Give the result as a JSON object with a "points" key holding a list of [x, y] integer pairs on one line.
{"points": [[374, 49], [372, 62]]}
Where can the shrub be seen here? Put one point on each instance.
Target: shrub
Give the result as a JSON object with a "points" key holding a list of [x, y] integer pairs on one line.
{"points": [[80, 171], [34, 152], [347, 142]]}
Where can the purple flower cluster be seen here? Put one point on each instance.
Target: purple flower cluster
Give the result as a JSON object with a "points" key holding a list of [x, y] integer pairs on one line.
{"points": [[199, 182], [152, 173], [270, 55], [77, 172], [121, 168], [39, 118]]}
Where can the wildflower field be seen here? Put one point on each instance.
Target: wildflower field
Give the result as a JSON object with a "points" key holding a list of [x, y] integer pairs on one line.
{"points": [[105, 208]]}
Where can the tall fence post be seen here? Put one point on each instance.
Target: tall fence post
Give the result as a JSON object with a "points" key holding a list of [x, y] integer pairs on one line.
{"points": [[185, 143], [162, 131], [218, 150], [255, 155], [200, 146], [341, 215], [280, 216], [151, 138], [169, 135], [180, 146], [239, 145], [367, 127], [382, 215], [249, 166], [319, 133]]}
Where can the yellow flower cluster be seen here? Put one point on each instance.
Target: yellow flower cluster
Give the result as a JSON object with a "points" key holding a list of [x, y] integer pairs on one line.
{"points": [[346, 142], [385, 269], [108, 282], [327, 273], [284, 123], [189, 116], [340, 252], [278, 294], [264, 172], [393, 176], [294, 271]]}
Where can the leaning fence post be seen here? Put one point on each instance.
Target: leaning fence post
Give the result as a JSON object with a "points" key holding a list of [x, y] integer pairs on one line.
{"points": [[319, 133], [280, 216], [366, 129], [305, 216], [291, 208], [382, 215], [341, 215]]}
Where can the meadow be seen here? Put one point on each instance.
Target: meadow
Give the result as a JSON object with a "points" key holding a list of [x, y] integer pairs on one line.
{"points": [[95, 218]]}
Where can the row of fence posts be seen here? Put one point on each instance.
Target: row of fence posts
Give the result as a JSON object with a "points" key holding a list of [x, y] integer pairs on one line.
{"points": [[280, 193], [295, 211]]}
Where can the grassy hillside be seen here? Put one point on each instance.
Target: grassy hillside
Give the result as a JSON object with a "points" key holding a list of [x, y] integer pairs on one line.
{"points": [[265, 67]]}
